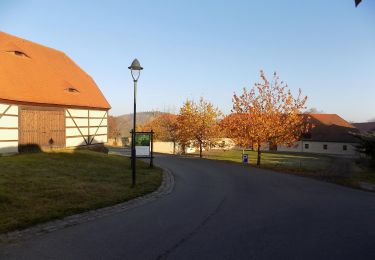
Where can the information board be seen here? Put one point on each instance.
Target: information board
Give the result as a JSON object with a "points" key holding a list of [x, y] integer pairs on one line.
{"points": [[143, 144]]}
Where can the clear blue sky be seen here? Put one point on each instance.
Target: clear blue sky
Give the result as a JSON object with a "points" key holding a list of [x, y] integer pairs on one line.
{"points": [[211, 48]]}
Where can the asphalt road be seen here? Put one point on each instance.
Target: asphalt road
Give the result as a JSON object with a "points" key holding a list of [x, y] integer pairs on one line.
{"points": [[221, 210]]}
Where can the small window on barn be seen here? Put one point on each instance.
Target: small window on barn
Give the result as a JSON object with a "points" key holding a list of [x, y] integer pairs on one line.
{"points": [[19, 53], [72, 90], [306, 146], [325, 147], [344, 147]]}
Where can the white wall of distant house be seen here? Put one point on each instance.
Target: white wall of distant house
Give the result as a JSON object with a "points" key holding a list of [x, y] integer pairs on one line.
{"points": [[85, 126], [164, 147], [334, 148]]}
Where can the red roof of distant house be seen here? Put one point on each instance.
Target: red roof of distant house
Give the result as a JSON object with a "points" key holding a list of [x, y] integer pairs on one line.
{"points": [[33, 73], [330, 128], [331, 119]]}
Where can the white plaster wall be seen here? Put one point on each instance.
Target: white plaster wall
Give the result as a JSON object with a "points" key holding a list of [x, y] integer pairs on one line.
{"points": [[97, 113], [8, 137], [8, 147], [9, 121], [96, 122], [8, 134], [13, 110], [75, 141], [77, 112], [80, 122], [332, 148], [98, 130], [75, 132], [297, 147]]}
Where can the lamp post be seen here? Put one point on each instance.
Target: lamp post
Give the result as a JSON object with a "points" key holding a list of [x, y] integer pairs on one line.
{"points": [[135, 69]]}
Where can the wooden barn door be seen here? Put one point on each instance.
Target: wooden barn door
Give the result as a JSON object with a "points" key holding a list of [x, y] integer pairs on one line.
{"points": [[41, 129]]}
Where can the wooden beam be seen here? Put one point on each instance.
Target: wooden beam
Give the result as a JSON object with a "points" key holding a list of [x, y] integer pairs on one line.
{"points": [[84, 117], [1, 115], [5, 111]]}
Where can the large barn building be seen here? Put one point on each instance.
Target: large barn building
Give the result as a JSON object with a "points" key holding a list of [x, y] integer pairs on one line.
{"points": [[46, 100]]}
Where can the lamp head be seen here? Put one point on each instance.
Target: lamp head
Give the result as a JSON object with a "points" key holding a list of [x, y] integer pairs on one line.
{"points": [[135, 69]]}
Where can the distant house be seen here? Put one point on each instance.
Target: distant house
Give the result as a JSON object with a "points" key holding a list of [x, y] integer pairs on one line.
{"points": [[46, 100], [329, 134], [368, 127]]}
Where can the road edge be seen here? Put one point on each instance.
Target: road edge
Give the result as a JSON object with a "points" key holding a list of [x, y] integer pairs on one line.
{"points": [[164, 189]]}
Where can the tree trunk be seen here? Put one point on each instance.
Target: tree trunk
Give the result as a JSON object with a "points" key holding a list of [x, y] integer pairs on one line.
{"points": [[259, 155], [183, 146], [200, 149]]}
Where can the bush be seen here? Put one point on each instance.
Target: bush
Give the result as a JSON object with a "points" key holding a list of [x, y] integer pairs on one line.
{"points": [[367, 145], [95, 148]]}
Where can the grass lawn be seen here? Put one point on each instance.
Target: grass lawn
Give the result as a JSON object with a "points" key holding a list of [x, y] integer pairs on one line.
{"points": [[39, 187], [276, 160], [310, 165], [363, 171]]}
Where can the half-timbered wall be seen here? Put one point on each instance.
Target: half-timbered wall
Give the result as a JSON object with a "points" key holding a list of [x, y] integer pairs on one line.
{"points": [[8, 128], [85, 127]]}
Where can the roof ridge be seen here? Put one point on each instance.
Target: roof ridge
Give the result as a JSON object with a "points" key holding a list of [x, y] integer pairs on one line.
{"points": [[29, 42]]}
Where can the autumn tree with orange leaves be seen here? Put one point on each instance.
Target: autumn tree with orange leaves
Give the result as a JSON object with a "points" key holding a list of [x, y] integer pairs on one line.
{"points": [[197, 124], [164, 127], [267, 113], [113, 129]]}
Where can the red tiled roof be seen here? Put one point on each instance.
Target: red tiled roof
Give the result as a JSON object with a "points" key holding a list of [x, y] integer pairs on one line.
{"points": [[331, 119], [33, 73], [330, 128]]}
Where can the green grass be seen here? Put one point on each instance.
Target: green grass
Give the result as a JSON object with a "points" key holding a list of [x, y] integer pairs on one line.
{"points": [[294, 162], [39, 187]]}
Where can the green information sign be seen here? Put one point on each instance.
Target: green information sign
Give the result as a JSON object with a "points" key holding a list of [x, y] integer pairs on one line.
{"points": [[142, 139], [143, 145]]}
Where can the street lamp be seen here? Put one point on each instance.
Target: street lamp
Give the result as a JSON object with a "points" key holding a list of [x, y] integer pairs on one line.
{"points": [[135, 69]]}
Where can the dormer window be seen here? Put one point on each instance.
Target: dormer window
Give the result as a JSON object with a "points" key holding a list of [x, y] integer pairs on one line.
{"points": [[72, 90], [19, 53]]}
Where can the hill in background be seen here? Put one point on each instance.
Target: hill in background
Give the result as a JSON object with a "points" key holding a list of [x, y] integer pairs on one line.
{"points": [[125, 122]]}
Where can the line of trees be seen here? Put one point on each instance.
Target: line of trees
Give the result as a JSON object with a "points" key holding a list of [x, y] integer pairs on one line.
{"points": [[266, 113], [197, 124]]}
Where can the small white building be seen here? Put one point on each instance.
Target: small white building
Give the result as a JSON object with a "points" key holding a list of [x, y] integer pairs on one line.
{"points": [[329, 134], [46, 100]]}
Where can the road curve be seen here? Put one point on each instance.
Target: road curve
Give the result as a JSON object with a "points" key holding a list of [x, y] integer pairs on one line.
{"points": [[221, 210]]}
